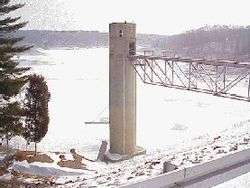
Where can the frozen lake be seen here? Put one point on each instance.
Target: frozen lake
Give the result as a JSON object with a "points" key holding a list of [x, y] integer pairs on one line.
{"points": [[78, 82]]}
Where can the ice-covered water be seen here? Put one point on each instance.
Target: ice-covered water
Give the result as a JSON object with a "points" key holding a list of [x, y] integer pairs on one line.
{"points": [[78, 82]]}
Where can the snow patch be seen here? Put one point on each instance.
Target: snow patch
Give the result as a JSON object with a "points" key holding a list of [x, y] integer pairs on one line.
{"points": [[46, 169]]}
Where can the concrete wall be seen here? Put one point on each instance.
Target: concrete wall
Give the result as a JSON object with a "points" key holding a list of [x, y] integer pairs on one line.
{"points": [[204, 175], [122, 89]]}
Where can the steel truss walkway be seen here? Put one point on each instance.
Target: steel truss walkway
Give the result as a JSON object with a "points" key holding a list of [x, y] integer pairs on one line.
{"points": [[223, 78]]}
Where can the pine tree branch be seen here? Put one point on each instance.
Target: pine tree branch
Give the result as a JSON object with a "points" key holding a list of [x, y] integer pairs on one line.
{"points": [[12, 28], [7, 9], [11, 49], [7, 65], [11, 87], [4, 2], [10, 72], [9, 20], [10, 41], [5, 59]]}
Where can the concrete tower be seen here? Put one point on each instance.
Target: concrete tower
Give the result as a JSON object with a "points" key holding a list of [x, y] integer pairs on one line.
{"points": [[122, 89]]}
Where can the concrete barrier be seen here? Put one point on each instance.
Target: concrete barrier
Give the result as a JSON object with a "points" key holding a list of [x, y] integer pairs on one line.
{"points": [[203, 175]]}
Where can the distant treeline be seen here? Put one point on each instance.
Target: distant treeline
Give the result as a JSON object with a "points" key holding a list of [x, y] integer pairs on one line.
{"points": [[206, 42], [210, 42], [54, 39], [81, 39]]}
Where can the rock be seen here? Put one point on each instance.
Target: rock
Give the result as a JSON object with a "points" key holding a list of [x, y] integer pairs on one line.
{"points": [[168, 167], [5, 163], [234, 148], [101, 180], [196, 161], [220, 151], [150, 167], [30, 157], [130, 177], [3, 171], [40, 158], [140, 173], [102, 151], [217, 138], [70, 163], [77, 158], [152, 162], [20, 156], [108, 178], [246, 140], [216, 147], [155, 162]]}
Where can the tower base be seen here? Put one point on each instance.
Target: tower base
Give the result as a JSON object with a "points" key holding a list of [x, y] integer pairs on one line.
{"points": [[112, 157]]}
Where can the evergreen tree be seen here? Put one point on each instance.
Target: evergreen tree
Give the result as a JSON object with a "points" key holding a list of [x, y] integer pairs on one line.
{"points": [[10, 124], [12, 77], [36, 110]]}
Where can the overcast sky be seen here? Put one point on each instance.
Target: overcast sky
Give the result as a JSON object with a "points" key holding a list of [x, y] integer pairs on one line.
{"points": [[151, 16]]}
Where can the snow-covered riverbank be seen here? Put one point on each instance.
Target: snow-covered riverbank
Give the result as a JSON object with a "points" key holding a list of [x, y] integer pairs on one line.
{"points": [[198, 150]]}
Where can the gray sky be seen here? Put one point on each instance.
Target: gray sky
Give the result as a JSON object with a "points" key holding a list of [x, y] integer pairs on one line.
{"points": [[151, 16]]}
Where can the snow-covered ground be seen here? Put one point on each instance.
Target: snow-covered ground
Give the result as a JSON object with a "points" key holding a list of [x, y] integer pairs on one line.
{"points": [[169, 121], [186, 154]]}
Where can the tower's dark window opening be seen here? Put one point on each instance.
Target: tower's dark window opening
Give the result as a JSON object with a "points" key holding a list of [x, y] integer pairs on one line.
{"points": [[120, 33], [132, 49]]}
